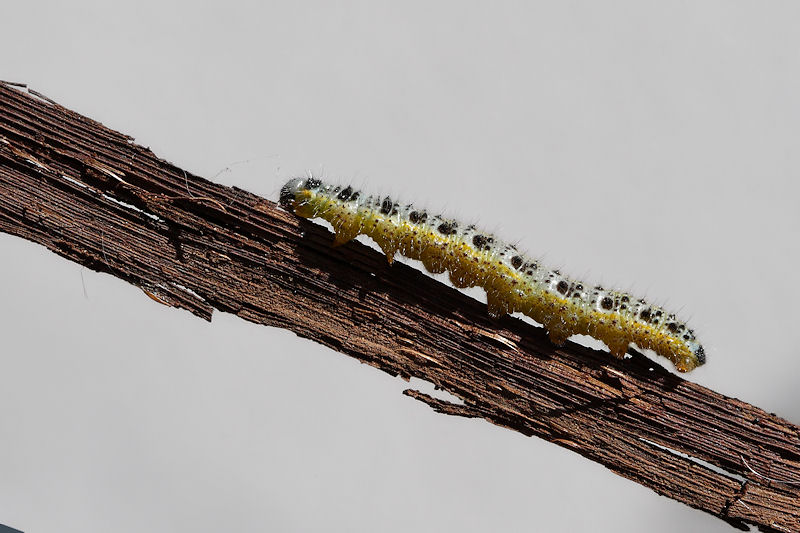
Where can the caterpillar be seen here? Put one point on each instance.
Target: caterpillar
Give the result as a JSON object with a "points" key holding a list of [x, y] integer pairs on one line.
{"points": [[513, 282]]}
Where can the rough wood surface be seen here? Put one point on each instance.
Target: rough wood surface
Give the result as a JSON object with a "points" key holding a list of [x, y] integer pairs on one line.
{"points": [[92, 195]]}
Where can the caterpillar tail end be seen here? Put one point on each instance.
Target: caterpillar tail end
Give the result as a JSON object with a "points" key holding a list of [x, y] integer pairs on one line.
{"points": [[687, 362]]}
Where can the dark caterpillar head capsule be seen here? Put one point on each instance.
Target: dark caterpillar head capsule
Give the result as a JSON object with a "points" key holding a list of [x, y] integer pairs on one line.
{"points": [[290, 190]]}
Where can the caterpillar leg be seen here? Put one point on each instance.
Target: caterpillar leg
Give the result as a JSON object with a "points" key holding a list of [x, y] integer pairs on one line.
{"points": [[388, 245], [390, 252], [497, 305], [305, 210], [558, 336], [460, 279], [343, 236], [618, 349], [346, 227], [433, 261]]}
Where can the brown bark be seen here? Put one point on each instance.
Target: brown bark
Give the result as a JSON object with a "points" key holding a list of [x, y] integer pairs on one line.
{"points": [[93, 196]]}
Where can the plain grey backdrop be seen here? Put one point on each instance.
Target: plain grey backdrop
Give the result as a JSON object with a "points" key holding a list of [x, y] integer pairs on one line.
{"points": [[647, 145]]}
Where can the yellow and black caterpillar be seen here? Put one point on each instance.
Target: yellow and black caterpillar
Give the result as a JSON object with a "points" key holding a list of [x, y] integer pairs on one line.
{"points": [[512, 281]]}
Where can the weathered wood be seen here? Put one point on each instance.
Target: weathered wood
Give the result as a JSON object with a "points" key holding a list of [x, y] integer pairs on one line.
{"points": [[92, 195]]}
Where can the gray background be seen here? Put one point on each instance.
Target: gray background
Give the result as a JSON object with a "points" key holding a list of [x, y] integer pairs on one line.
{"points": [[647, 145]]}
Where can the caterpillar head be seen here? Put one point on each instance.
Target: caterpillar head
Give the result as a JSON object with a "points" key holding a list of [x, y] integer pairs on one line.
{"points": [[290, 190], [296, 196]]}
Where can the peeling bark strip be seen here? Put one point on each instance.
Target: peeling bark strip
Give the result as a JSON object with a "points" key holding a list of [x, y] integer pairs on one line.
{"points": [[93, 196]]}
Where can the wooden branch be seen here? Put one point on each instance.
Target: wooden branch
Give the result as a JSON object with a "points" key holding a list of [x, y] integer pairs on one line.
{"points": [[92, 195]]}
